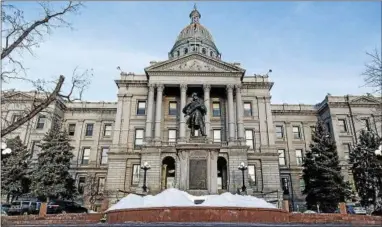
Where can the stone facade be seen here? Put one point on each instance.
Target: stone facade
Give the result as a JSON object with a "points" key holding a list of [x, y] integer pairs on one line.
{"points": [[113, 139]]}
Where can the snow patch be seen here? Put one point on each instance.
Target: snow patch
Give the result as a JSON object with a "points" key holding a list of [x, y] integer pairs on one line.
{"points": [[175, 198]]}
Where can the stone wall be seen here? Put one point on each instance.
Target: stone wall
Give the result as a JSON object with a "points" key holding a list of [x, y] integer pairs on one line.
{"points": [[51, 219]]}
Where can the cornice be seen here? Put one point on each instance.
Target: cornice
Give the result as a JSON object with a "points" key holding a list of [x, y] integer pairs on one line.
{"points": [[254, 85], [295, 112], [194, 73]]}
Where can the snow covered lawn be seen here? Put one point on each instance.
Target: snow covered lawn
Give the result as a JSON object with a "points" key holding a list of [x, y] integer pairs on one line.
{"points": [[175, 198]]}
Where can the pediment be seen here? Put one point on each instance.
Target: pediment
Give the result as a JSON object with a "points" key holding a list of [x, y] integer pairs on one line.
{"points": [[365, 100], [194, 63], [17, 96]]}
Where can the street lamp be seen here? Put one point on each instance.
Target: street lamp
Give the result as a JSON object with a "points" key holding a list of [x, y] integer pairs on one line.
{"points": [[145, 167], [243, 167], [4, 149]]}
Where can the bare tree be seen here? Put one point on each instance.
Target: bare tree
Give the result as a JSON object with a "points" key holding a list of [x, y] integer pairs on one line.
{"points": [[94, 191], [373, 72], [20, 36]]}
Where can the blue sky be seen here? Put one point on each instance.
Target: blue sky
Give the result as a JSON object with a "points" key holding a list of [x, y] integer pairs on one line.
{"points": [[313, 48]]}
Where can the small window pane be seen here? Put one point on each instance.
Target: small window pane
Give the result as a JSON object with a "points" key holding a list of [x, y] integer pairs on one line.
{"points": [[252, 175], [104, 156], [89, 130], [141, 110], [312, 131], [101, 184], [135, 174], [282, 161], [365, 124], [172, 135], [217, 135], [71, 129], [172, 108], [41, 122], [279, 132], [107, 130], [81, 184], [299, 157], [216, 109], [249, 138], [85, 156], [15, 118], [302, 185], [138, 138], [342, 124], [247, 109], [296, 132]]}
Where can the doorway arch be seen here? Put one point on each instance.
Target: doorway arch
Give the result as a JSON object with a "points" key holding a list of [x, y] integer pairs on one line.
{"points": [[222, 173], [168, 173]]}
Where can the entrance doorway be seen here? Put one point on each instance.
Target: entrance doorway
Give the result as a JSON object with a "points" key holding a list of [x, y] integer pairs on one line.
{"points": [[222, 173], [168, 172]]}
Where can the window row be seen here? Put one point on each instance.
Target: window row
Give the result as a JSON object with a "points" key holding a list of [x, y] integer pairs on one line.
{"points": [[89, 129], [365, 124], [295, 130], [85, 156], [81, 184], [185, 51], [173, 108], [282, 158], [285, 185]]}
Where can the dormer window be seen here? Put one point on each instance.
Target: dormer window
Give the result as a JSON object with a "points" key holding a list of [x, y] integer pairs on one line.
{"points": [[185, 50], [177, 53], [211, 54], [204, 51]]}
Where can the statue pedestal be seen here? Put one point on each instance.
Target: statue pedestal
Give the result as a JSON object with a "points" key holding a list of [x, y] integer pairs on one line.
{"points": [[198, 139]]}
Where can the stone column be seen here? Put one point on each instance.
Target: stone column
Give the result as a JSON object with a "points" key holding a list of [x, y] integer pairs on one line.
{"points": [[207, 89], [149, 114], [231, 123], [182, 125], [239, 114], [158, 112]]}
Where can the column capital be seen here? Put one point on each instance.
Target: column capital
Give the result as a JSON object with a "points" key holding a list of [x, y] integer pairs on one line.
{"points": [[238, 87], [151, 87], [206, 87], [183, 87], [229, 87], [160, 87]]}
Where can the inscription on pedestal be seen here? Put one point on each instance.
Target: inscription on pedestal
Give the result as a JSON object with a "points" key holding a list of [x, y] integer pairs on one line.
{"points": [[198, 174]]}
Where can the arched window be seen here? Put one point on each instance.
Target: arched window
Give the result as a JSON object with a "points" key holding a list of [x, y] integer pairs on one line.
{"points": [[211, 54], [204, 51], [177, 53], [185, 50]]}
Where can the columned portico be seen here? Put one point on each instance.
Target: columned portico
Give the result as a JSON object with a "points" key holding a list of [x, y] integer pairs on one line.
{"points": [[239, 115], [207, 89], [182, 125], [158, 112], [231, 123], [149, 119]]}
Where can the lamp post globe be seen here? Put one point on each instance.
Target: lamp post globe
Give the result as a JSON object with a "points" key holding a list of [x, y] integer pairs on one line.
{"points": [[145, 167], [243, 167]]}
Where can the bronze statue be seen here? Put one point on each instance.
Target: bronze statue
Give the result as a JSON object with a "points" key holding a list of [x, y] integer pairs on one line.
{"points": [[196, 111]]}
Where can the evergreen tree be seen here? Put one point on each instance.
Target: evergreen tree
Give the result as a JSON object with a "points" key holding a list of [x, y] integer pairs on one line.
{"points": [[51, 178], [324, 184], [367, 169], [14, 169]]}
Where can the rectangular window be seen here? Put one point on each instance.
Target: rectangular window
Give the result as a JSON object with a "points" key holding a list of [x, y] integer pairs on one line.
{"points": [[138, 142], [172, 135], [107, 130], [101, 184], [41, 122], [296, 132], [35, 150], [328, 127], [141, 108], [216, 109], [247, 109], [135, 175], [172, 108], [15, 117], [279, 132], [302, 185], [299, 157], [217, 135], [89, 129], [347, 150], [282, 160], [249, 138], [71, 129], [342, 124], [104, 156], [252, 175], [366, 124], [81, 185], [85, 156], [312, 131]]}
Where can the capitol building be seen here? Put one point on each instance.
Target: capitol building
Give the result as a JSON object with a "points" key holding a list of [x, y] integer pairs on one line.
{"points": [[112, 140]]}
